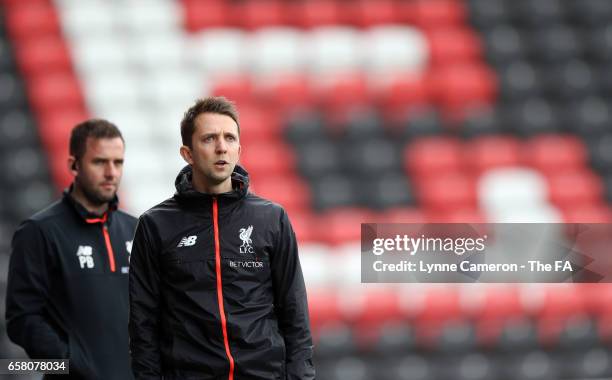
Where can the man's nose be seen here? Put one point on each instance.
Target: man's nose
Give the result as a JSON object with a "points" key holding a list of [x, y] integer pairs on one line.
{"points": [[221, 146], [112, 170]]}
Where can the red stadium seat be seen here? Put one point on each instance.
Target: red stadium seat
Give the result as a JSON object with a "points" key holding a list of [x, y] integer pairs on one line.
{"points": [[238, 88], [561, 303], [303, 224], [433, 156], [554, 153], [289, 191], [377, 306], [576, 188], [54, 91], [342, 225], [201, 14], [55, 128], [260, 124], [490, 152], [460, 215], [314, 13], [365, 13], [285, 91], [31, 19], [403, 92], [267, 158], [402, 215], [323, 305], [447, 192], [342, 91], [253, 14], [457, 87], [453, 45], [43, 55], [430, 14], [589, 213], [440, 306]]}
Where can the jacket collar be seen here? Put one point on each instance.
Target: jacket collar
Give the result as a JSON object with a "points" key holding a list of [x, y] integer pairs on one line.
{"points": [[186, 192], [83, 213]]}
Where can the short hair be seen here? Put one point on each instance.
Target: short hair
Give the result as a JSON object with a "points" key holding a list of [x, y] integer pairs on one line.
{"points": [[94, 128], [212, 104]]}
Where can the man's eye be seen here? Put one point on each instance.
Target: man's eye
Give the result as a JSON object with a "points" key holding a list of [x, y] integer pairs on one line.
{"points": [[231, 138]]}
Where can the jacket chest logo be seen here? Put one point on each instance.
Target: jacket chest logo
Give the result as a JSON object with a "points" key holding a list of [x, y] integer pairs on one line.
{"points": [[85, 255], [247, 242], [187, 241]]}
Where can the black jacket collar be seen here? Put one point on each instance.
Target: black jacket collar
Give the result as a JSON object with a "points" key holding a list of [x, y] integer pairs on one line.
{"points": [[186, 193], [83, 213]]}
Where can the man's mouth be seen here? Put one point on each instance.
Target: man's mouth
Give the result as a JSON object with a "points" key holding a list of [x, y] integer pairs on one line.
{"points": [[221, 163]]}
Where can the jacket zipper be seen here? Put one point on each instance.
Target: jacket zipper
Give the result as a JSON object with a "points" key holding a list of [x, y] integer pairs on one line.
{"points": [[220, 287], [107, 241]]}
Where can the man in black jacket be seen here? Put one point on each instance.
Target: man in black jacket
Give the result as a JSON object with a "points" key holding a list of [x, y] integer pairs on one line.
{"points": [[216, 288], [67, 295]]}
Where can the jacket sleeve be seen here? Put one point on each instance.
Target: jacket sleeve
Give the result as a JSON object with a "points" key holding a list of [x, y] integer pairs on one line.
{"points": [[144, 323], [291, 304], [27, 296]]}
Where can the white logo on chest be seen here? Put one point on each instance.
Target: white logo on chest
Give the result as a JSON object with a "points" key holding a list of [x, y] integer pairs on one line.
{"points": [[247, 243], [84, 253], [187, 241]]}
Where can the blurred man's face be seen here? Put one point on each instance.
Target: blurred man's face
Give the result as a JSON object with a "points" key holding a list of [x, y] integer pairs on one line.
{"points": [[99, 171], [215, 149]]}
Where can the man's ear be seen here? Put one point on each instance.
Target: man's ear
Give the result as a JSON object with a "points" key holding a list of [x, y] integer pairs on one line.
{"points": [[73, 165], [186, 154]]}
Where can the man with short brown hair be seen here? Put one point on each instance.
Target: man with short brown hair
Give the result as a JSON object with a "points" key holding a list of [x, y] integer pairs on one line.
{"points": [[67, 295], [216, 288]]}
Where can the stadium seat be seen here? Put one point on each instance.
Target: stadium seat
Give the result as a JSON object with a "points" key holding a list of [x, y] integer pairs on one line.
{"points": [[432, 14], [552, 152], [53, 91], [332, 191], [314, 13], [485, 14], [367, 157], [418, 122], [253, 14], [318, 158], [480, 121], [341, 91], [530, 116], [489, 152], [395, 49], [385, 191], [519, 80], [589, 117], [455, 45], [598, 43], [401, 92], [538, 13], [554, 44], [12, 91], [600, 151], [572, 80], [456, 87], [31, 20], [267, 158], [433, 157], [343, 225], [590, 12], [504, 43], [289, 191], [44, 54], [276, 51], [577, 188], [333, 50], [220, 50], [205, 14]]}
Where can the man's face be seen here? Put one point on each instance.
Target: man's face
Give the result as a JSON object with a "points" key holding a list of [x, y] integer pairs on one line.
{"points": [[100, 169], [215, 147]]}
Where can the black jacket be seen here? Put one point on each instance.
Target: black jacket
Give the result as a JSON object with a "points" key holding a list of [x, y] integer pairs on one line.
{"points": [[216, 289], [67, 294]]}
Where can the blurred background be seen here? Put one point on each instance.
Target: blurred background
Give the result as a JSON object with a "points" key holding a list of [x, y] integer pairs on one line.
{"points": [[352, 111]]}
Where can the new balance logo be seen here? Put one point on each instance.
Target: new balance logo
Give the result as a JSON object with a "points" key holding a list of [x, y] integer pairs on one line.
{"points": [[84, 253], [187, 241]]}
